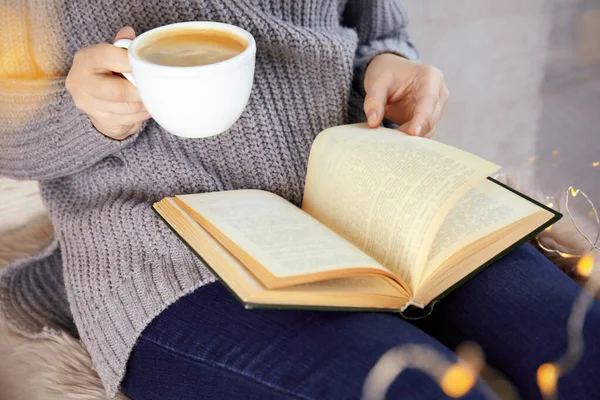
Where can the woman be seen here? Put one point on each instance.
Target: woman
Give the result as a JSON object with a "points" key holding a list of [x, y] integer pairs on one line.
{"points": [[151, 315]]}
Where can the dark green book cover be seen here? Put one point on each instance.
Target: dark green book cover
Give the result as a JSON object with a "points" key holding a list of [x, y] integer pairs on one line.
{"points": [[411, 312]]}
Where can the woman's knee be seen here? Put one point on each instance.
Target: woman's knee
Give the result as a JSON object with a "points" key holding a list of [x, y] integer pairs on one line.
{"points": [[327, 357]]}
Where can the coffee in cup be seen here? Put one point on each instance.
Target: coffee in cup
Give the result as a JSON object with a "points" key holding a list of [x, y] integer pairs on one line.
{"points": [[190, 47], [194, 78]]}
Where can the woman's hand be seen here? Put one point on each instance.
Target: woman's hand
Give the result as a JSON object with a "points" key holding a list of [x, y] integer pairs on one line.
{"points": [[111, 102], [407, 93]]}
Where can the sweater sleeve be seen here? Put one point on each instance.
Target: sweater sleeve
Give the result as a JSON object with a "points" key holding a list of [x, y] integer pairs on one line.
{"points": [[43, 135], [381, 28]]}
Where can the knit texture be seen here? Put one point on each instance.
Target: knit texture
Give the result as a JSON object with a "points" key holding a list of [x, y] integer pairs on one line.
{"points": [[114, 265]]}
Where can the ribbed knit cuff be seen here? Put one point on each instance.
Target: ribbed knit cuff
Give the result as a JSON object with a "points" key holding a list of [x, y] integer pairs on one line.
{"points": [[82, 136], [44, 136], [365, 53]]}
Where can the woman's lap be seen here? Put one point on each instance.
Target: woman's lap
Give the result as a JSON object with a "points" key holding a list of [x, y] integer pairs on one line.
{"points": [[517, 310], [208, 346]]}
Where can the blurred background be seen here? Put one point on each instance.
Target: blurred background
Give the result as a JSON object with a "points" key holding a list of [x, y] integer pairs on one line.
{"points": [[524, 78]]}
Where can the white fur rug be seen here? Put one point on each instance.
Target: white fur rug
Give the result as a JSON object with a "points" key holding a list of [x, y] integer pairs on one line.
{"points": [[59, 366], [56, 368]]}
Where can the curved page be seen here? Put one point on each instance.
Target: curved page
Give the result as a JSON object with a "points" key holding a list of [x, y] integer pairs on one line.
{"points": [[387, 192]]}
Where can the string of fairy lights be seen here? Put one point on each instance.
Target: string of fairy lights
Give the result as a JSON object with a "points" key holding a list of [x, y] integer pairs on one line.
{"points": [[548, 374], [571, 192], [457, 378]]}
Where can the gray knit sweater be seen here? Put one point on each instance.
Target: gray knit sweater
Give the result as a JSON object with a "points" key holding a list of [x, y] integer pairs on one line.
{"points": [[113, 265]]}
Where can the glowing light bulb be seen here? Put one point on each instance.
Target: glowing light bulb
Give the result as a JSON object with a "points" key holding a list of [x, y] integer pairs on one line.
{"points": [[596, 164], [547, 378], [585, 265], [550, 204], [554, 153], [548, 228], [573, 191], [566, 255], [458, 380], [531, 160]]}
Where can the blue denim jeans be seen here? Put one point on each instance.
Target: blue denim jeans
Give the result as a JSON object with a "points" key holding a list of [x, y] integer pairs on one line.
{"points": [[207, 346]]}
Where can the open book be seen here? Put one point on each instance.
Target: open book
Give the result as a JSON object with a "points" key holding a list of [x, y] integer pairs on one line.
{"points": [[387, 221]]}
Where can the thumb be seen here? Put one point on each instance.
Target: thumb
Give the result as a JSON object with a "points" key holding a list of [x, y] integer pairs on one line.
{"points": [[375, 100], [126, 32]]}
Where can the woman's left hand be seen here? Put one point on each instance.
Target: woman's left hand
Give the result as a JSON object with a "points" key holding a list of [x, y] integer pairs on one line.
{"points": [[407, 93]]}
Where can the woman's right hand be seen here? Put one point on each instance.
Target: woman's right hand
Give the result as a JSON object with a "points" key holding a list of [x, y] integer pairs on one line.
{"points": [[111, 102]]}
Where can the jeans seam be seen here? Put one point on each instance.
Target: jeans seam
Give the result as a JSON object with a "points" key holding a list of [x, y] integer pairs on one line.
{"points": [[221, 367]]}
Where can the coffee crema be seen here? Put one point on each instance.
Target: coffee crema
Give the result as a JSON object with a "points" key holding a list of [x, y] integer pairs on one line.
{"points": [[190, 47]]}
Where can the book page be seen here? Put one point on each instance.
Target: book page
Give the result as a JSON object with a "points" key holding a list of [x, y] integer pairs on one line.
{"points": [[354, 291], [484, 210], [477, 255], [274, 233], [387, 192]]}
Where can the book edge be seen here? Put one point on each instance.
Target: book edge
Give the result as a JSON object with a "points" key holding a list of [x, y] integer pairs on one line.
{"points": [[557, 216], [251, 305], [206, 264]]}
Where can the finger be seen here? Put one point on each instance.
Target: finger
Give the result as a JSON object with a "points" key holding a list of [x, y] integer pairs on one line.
{"points": [[126, 32], [120, 119], [116, 132], [103, 58], [398, 113], [113, 107], [434, 121], [439, 111], [376, 100], [420, 124], [112, 88]]}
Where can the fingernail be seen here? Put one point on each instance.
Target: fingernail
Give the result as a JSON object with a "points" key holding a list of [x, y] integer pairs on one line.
{"points": [[372, 117], [419, 129]]}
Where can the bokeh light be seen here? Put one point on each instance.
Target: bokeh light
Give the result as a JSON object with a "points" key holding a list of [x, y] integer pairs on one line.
{"points": [[585, 265], [458, 380], [547, 378]]}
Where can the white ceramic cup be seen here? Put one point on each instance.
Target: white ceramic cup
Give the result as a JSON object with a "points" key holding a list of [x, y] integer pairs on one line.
{"points": [[196, 101]]}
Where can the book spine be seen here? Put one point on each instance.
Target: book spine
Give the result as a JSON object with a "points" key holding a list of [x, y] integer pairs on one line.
{"points": [[411, 303]]}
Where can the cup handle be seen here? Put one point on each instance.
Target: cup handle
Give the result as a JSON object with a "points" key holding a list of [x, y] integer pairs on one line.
{"points": [[124, 44]]}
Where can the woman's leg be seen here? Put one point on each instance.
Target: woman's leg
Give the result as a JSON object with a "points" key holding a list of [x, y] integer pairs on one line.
{"points": [[207, 346], [517, 310]]}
